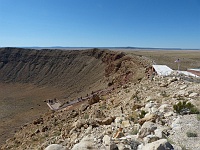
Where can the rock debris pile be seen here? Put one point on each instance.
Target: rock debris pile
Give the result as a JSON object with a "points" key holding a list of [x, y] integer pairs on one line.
{"points": [[137, 116]]}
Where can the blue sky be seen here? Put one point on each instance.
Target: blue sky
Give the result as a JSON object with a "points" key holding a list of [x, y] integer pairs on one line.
{"points": [[100, 23]]}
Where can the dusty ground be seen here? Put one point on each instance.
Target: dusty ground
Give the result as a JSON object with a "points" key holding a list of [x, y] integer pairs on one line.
{"points": [[20, 103], [188, 58]]}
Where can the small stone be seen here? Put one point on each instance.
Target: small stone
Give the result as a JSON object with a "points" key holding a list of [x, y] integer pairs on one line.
{"points": [[172, 80], [149, 117], [45, 128], [121, 146], [84, 107], [118, 121], [113, 146], [38, 121], [73, 137], [118, 134], [147, 129], [109, 131], [86, 143], [168, 114], [163, 107], [55, 147], [150, 139], [193, 95], [126, 123], [106, 140], [158, 133], [88, 130], [37, 131], [79, 123], [85, 126], [183, 87], [149, 105], [106, 121], [95, 99], [163, 84]]}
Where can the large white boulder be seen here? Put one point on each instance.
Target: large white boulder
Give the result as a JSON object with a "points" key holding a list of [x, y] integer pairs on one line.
{"points": [[147, 129]]}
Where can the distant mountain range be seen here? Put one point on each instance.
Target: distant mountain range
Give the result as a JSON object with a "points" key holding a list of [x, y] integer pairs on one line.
{"points": [[112, 48]]}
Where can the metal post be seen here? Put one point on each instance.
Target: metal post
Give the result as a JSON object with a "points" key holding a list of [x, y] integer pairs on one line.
{"points": [[178, 66]]}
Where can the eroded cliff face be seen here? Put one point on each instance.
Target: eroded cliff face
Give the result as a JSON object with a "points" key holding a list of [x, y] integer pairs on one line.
{"points": [[50, 67], [72, 69]]}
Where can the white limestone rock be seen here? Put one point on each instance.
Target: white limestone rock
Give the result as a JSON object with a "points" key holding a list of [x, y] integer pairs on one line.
{"points": [[126, 123], [106, 140], [86, 143], [147, 129], [168, 114], [183, 87], [193, 95], [55, 147], [88, 130], [164, 107]]}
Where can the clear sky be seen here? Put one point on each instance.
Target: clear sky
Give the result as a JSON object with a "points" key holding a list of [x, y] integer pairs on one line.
{"points": [[100, 23]]}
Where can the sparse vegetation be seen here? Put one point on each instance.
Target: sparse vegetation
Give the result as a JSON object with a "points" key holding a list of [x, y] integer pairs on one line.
{"points": [[35, 139], [135, 131], [164, 94], [102, 107], [183, 147], [142, 114], [185, 107], [126, 90], [86, 116], [103, 97], [191, 59], [57, 133], [191, 134], [198, 117], [133, 116], [170, 141], [134, 97]]}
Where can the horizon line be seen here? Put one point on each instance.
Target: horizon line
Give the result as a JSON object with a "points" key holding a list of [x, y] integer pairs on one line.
{"points": [[112, 47]]}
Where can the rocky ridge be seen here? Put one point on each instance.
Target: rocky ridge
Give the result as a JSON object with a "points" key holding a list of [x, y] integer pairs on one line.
{"points": [[75, 71], [137, 116]]}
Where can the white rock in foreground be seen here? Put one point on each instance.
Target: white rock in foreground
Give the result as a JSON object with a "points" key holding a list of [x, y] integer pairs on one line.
{"points": [[55, 147], [85, 144]]}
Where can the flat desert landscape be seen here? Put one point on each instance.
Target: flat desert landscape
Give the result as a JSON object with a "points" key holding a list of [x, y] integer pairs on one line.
{"points": [[188, 58]]}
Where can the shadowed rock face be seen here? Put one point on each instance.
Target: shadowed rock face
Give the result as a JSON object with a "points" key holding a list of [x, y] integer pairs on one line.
{"points": [[50, 67], [74, 70]]}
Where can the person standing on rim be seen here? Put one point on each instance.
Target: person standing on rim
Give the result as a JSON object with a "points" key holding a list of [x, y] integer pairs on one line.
{"points": [[178, 62]]}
